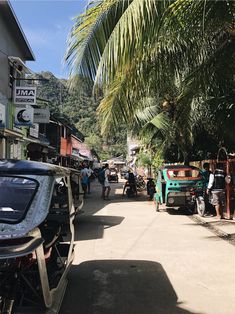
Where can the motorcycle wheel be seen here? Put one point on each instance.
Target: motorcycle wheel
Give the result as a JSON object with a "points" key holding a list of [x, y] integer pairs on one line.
{"points": [[140, 186], [200, 206]]}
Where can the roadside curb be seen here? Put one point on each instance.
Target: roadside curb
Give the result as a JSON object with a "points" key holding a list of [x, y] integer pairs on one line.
{"points": [[224, 229]]}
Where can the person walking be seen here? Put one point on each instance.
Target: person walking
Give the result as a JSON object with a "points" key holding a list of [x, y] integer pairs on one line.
{"points": [[84, 178], [106, 186], [89, 173], [216, 186]]}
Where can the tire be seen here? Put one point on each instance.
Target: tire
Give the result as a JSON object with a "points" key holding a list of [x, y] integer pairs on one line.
{"points": [[200, 206]]}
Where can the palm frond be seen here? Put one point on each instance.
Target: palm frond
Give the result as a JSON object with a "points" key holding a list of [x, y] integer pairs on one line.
{"points": [[89, 35]]}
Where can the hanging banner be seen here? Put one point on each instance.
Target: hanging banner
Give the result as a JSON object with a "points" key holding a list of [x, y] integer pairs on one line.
{"points": [[24, 116], [2, 116], [24, 95], [41, 115]]}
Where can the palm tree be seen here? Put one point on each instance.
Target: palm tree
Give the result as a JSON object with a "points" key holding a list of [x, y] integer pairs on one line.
{"points": [[182, 50]]}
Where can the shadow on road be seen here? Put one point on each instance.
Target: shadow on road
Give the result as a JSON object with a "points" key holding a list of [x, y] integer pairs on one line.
{"points": [[93, 202], [92, 227], [178, 211], [89, 225], [120, 287]]}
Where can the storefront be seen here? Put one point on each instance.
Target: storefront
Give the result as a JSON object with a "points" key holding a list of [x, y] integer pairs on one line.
{"points": [[11, 144]]}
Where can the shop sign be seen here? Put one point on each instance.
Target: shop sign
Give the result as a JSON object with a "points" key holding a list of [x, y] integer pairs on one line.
{"points": [[24, 95], [23, 116], [34, 130], [2, 116], [41, 115]]}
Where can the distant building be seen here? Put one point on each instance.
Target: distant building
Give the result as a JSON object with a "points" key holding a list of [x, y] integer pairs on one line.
{"points": [[14, 52], [133, 147]]}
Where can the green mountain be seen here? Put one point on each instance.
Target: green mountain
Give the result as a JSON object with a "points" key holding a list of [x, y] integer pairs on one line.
{"points": [[79, 108]]}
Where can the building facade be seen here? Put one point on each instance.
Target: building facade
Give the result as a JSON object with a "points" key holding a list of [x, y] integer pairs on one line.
{"points": [[14, 52]]}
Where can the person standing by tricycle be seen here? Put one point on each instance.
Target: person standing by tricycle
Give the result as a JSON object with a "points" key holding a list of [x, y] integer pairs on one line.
{"points": [[216, 186]]}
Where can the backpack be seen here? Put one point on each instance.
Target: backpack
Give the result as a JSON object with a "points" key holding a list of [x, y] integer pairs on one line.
{"points": [[101, 176]]}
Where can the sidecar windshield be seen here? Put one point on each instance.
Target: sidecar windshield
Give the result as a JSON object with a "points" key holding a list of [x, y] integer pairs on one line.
{"points": [[186, 174], [16, 195]]}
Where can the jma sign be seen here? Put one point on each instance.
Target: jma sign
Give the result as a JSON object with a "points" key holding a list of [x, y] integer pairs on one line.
{"points": [[25, 95]]}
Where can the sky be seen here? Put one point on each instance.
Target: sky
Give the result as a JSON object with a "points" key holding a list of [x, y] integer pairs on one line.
{"points": [[46, 25]]}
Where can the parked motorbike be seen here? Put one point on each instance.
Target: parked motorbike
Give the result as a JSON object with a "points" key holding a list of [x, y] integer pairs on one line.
{"points": [[197, 204], [140, 183], [130, 186], [38, 203]]}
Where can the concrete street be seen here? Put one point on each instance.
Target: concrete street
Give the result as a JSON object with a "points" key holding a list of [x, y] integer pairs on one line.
{"points": [[130, 259]]}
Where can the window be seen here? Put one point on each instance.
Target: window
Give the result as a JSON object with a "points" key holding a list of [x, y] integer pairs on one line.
{"points": [[184, 174], [16, 195], [60, 194]]}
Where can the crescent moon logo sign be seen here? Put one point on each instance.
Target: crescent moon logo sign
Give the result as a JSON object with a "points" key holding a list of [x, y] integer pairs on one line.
{"points": [[22, 116]]}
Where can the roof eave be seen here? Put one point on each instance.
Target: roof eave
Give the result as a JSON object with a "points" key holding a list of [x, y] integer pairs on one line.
{"points": [[10, 11]]}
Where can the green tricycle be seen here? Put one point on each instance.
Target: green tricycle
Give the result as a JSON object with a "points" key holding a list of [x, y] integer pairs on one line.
{"points": [[180, 186]]}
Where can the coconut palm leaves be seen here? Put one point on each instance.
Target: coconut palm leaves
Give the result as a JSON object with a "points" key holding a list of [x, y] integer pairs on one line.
{"points": [[90, 34], [182, 50]]}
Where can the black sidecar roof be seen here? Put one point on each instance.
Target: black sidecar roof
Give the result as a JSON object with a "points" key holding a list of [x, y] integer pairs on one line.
{"points": [[26, 167]]}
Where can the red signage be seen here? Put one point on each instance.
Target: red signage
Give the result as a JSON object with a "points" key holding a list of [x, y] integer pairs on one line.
{"points": [[63, 146]]}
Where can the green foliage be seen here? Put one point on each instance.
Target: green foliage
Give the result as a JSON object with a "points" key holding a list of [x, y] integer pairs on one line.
{"points": [[179, 54], [144, 159], [78, 107], [157, 161]]}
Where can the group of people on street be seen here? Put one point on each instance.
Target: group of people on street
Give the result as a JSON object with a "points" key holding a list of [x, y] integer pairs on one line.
{"points": [[86, 174], [214, 183]]}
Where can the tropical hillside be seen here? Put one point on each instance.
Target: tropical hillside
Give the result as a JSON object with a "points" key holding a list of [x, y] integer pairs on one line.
{"points": [[78, 107]]}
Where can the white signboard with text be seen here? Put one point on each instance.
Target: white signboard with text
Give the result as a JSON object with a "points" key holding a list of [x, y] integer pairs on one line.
{"points": [[41, 115], [24, 116], [24, 95]]}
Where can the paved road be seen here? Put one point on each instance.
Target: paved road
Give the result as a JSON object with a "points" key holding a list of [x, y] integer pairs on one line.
{"points": [[131, 260]]}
